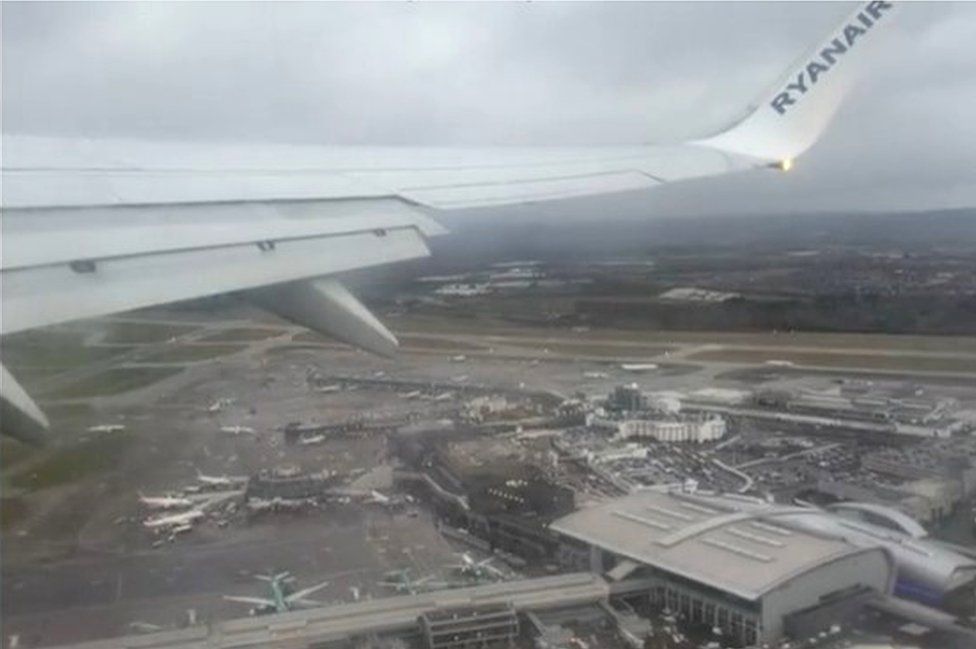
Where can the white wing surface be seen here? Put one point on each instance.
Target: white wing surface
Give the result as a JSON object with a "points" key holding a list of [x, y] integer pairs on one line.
{"points": [[253, 601], [96, 227]]}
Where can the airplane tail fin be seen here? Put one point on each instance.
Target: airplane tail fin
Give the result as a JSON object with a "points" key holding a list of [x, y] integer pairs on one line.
{"points": [[789, 118]]}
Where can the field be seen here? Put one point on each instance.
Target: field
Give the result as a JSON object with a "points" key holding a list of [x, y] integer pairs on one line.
{"points": [[582, 348], [190, 353], [428, 326], [902, 362], [12, 510], [242, 334], [12, 452], [143, 332], [415, 340], [114, 381], [73, 463], [40, 353], [435, 343]]}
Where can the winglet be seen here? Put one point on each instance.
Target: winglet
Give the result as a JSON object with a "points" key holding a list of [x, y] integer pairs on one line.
{"points": [[21, 418], [790, 118]]}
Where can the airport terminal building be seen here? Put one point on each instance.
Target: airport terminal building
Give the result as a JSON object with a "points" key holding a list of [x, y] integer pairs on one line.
{"points": [[719, 567]]}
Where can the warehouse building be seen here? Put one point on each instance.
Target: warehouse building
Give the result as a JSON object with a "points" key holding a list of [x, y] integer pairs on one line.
{"points": [[715, 566]]}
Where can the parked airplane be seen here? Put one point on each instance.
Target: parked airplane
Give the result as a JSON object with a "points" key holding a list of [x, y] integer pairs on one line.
{"points": [[106, 428], [129, 224], [480, 570], [238, 430], [220, 480], [279, 504], [164, 502], [402, 583], [180, 529], [638, 367], [281, 598], [144, 627], [172, 521], [363, 496]]}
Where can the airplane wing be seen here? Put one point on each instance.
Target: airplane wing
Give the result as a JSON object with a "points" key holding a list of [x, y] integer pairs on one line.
{"points": [[305, 592], [253, 601], [92, 227]]}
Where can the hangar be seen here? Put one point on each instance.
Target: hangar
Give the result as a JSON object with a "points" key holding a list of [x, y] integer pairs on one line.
{"points": [[741, 571]]}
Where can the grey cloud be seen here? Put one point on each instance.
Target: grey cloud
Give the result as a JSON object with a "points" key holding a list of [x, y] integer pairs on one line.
{"points": [[504, 73]]}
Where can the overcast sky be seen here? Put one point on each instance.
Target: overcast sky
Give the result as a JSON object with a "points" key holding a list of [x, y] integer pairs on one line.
{"points": [[507, 74]]}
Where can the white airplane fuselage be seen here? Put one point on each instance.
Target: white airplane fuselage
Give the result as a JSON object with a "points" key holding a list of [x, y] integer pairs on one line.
{"points": [[173, 520], [165, 502]]}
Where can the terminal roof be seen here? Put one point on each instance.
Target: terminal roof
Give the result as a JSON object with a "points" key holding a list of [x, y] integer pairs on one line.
{"points": [[741, 552]]}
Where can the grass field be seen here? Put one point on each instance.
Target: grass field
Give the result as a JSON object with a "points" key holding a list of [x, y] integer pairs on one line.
{"points": [[584, 348], [12, 510], [242, 334], [285, 349], [31, 378], [904, 362], [484, 327], [433, 342], [312, 337], [114, 381], [143, 332], [13, 452], [73, 463], [62, 412], [34, 355], [189, 353]]}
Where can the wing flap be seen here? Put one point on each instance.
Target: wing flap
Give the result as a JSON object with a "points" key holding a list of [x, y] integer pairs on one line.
{"points": [[36, 296], [86, 187], [55, 236]]}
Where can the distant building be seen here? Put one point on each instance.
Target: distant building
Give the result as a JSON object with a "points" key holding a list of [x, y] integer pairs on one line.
{"points": [[476, 626], [675, 431], [667, 402], [290, 484], [503, 501], [627, 398], [746, 573], [462, 290], [666, 428]]}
